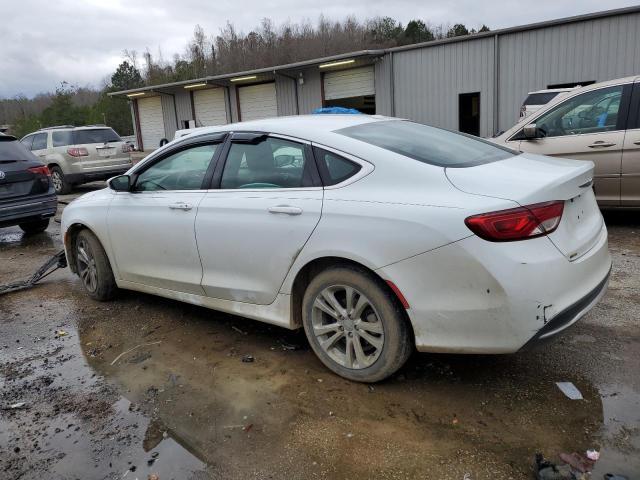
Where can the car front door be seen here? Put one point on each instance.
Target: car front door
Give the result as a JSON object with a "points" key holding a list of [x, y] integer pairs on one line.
{"points": [[151, 227], [265, 202], [630, 185], [589, 126]]}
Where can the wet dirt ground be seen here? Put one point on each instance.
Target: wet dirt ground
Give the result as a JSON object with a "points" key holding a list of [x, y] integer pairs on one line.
{"points": [[144, 385]]}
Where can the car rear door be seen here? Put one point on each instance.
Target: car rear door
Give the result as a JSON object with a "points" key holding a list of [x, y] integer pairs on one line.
{"points": [[265, 202], [151, 227], [40, 145], [588, 126], [630, 183]]}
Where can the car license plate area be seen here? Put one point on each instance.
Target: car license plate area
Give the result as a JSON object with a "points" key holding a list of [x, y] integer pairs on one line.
{"points": [[15, 188], [106, 152]]}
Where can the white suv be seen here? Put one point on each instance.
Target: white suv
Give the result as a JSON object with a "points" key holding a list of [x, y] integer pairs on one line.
{"points": [[78, 155]]}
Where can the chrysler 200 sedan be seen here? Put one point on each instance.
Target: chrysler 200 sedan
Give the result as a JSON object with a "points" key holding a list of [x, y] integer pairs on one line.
{"points": [[374, 234]]}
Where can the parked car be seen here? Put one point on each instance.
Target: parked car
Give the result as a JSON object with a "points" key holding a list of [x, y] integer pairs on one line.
{"points": [[374, 234], [27, 196], [77, 155], [538, 99], [601, 123]]}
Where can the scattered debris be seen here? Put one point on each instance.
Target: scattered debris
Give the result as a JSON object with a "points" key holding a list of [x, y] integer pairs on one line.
{"points": [[16, 406], [247, 359], [331, 414], [289, 346], [349, 435], [570, 390], [578, 461], [61, 333], [238, 330], [246, 428], [613, 476], [134, 348], [371, 389], [455, 420], [593, 455], [153, 476], [546, 470], [320, 380]]}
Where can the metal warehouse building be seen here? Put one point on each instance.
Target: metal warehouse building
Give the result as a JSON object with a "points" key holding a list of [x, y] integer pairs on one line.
{"points": [[474, 83]]}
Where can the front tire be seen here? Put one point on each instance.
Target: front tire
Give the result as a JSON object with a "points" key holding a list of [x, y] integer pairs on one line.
{"points": [[38, 226], [60, 183], [93, 267], [354, 325]]}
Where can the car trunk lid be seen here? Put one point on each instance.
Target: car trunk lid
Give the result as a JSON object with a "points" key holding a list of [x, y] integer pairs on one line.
{"points": [[529, 179], [16, 180]]}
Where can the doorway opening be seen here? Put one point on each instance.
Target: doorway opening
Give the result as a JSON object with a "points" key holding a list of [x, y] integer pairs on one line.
{"points": [[469, 113]]}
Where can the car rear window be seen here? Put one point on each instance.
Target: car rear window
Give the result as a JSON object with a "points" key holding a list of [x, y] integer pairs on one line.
{"points": [[540, 98], [431, 145], [95, 135], [12, 150]]}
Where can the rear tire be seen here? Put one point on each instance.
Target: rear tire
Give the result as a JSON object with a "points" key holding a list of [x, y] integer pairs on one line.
{"points": [[366, 338], [38, 226], [93, 267], [60, 183]]}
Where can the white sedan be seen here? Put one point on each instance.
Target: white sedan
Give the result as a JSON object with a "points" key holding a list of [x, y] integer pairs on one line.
{"points": [[374, 234]]}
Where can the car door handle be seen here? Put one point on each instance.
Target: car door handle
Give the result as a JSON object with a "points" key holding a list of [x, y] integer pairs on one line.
{"points": [[286, 209], [180, 206], [637, 143], [601, 144]]}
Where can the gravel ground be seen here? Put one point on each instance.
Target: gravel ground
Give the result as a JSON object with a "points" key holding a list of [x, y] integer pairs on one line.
{"points": [[144, 385]]}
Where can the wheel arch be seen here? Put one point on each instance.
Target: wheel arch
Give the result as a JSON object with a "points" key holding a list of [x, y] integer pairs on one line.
{"points": [[70, 236], [313, 267]]}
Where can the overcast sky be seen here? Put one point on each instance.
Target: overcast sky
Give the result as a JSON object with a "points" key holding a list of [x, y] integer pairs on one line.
{"points": [[45, 42]]}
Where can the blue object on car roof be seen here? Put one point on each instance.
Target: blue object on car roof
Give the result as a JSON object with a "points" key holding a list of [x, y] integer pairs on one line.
{"points": [[347, 111]]}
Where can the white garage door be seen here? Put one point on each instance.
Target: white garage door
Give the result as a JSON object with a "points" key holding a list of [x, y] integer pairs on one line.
{"points": [[209, 107], [151, 122], [355, 82], [258, 101]]}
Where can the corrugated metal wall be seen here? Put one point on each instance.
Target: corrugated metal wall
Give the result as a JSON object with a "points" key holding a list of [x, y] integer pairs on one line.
{"points": [[183, 106], [169, 116], [383, 72], [286, 95], [599, 49], [427, 82], [310, 93]]}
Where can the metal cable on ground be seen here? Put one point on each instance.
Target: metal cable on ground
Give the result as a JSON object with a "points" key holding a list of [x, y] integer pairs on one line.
{"points": [[59, 260]]}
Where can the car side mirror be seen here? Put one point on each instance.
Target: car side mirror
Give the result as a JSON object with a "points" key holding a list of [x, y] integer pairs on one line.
{"points": [[530, 131], [121, 183]]}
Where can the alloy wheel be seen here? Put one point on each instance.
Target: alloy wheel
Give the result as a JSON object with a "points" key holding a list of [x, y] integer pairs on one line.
{"points": [[87, 266], [57, 181], [347, 326]]}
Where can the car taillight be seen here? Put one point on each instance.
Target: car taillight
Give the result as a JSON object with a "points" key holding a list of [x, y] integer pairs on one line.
{"points": [[43, 170], [78, 152], [520, 223]]}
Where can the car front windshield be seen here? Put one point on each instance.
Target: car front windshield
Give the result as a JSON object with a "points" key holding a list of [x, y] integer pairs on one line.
{"points": [[431, 145]]}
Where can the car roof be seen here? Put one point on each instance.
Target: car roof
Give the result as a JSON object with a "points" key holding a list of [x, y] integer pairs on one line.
{"points": [[553, 90], [309, 127]]}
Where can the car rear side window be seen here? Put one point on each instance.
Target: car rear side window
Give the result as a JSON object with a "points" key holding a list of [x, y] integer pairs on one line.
{"points": [[431, 145], [333, 168], [62, 138], [27, 141], [39, 141], [95, 135]]}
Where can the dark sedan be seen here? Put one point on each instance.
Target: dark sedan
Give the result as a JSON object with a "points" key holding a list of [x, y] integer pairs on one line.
{"points": [[27, 195]]}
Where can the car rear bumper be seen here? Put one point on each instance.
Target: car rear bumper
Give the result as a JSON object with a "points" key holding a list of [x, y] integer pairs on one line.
{"points": [[474, 296], [95, 175], [27, 210]]}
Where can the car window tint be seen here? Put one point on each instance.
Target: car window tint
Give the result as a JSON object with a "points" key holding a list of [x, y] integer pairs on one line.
{"points": [[591, 112], [271, 163], [39, 141], [27, 141], [334, 168], [62, 138], [95, 135], [426, 144], [184, 170]]}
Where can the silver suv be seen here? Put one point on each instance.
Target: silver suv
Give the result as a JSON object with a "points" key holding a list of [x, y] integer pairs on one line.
{"points": [[78, 155]]}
